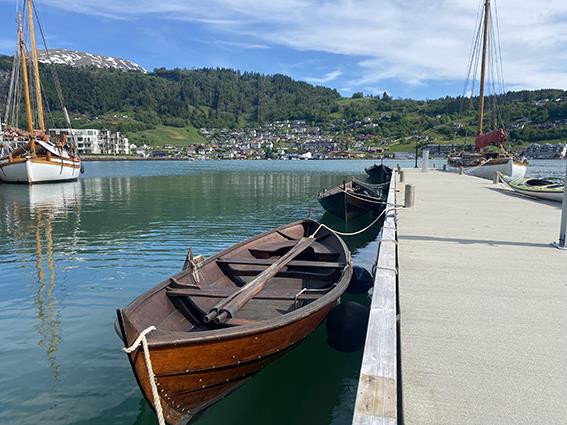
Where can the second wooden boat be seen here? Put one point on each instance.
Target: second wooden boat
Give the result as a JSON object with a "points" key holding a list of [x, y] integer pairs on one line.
{"points": [[536, 188], [351, 199], [379, 173], [222, 320]]}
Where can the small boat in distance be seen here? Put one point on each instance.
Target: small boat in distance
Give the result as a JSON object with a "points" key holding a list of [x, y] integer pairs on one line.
{"points": [[32, 155], [536, 188], [480, 163], [379, 173], [220, 321], [351, 199]]}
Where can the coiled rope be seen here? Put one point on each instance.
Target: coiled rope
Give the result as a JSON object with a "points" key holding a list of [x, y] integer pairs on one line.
{"points": [[142, 340]]}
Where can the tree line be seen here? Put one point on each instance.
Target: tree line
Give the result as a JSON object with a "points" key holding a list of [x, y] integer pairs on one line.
{"points": [[216, 97]]}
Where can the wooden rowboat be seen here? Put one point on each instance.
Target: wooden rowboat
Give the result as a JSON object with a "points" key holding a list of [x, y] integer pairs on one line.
{"points": [[222, 320], [535, 188], [379, 173], [351, 199]]}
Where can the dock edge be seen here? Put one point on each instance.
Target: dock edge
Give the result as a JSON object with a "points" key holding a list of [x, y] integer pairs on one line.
{"points": [[377, 393]]}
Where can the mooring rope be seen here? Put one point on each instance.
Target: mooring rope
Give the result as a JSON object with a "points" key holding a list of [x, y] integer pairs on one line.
{"points": [[371, 185], [386, 210], [142, 339], [354, 195]]}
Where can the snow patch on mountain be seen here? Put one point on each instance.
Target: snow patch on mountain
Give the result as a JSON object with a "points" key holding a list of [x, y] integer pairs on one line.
{"points": [[80, 59]]}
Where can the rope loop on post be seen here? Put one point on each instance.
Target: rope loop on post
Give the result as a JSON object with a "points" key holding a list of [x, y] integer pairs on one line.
{"points": [[143, 340]]}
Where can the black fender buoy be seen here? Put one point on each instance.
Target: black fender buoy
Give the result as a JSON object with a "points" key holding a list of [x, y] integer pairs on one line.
{"points": [[346, 326], [361, 281], [82, 168]]}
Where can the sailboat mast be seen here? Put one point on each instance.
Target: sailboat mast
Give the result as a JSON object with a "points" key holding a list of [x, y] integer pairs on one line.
{"points": [[40, 118], [483, 65], [26, 81]]}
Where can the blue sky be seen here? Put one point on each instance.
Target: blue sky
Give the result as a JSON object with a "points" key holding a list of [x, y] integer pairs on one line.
{"points": [[410, 48]]}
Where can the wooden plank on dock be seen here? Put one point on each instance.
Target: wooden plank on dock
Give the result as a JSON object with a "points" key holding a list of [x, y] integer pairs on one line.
{"points": [[377, 399]]}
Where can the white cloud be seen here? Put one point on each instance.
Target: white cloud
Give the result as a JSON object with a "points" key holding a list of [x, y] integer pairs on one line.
{"points": [[409, 40], [327, 78], [241, 44]]}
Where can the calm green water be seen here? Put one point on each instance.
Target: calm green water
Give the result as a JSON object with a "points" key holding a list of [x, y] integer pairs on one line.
{"points": [[70, 254]]}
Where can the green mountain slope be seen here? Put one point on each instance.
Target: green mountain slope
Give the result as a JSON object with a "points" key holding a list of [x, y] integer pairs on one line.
{"points": [[168, 104]]}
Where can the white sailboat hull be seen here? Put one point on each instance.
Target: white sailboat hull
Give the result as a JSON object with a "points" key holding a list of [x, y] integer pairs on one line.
{"points": [[38, 170], [487, 171]]}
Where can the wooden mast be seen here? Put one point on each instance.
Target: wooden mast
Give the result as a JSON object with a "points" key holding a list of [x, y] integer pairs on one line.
{"points": [[483, 66], [40, 118], [26, 83]]}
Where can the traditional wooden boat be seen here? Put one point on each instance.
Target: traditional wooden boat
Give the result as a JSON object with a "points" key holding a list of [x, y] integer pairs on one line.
{"points": [[33, 155], [351, 199], [536, 188], [222, 320], [379, 173], [480, 163]]}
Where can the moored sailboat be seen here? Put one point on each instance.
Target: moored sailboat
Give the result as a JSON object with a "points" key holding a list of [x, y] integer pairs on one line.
{"points": [[32, 155], [479, 163]]}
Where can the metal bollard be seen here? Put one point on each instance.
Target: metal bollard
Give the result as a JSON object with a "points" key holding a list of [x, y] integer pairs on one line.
{"points": [[495, 178], [401, 176], [410, 196], [461, 171], [444, 167]]}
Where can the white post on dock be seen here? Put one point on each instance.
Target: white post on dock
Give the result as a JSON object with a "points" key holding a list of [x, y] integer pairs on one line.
{"points": [[424, 160], [563, 230]]}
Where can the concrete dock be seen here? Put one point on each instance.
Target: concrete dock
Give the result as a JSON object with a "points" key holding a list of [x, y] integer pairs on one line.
{"points": [[483, 305]]}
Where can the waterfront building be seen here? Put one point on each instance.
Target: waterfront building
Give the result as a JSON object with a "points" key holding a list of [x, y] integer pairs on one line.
{"points": [[88, 140], [92, 141]]}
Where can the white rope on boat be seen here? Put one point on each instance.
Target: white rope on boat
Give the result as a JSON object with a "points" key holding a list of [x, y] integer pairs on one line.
{"points": [[386, 210], [354, 195], [143, 340]]}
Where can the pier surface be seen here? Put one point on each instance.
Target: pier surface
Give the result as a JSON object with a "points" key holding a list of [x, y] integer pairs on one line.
{"points": [[483, 305]]}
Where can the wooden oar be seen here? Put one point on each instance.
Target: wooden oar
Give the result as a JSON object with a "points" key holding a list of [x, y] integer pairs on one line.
{"points": [[227, 308]]}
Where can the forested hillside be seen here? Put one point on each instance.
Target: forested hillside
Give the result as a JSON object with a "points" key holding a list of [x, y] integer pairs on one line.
{"points": [[134, 101]]}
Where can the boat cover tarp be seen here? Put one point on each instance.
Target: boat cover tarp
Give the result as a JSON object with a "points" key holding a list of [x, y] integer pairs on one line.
{"points": [[496, 136]]}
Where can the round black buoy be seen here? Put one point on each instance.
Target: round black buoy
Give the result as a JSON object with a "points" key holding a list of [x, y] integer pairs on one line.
{"points": [[361, 281], [346, 326]]}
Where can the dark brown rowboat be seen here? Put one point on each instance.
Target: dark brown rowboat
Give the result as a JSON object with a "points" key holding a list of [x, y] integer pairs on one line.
{"points": [[197, 363], [351, 199]]}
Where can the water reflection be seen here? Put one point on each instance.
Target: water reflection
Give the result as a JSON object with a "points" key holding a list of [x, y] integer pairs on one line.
{"points": [[72, 253], [34, 209]]}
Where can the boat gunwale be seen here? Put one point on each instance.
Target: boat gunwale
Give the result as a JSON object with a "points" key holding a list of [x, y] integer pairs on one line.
{"points": [[166, 338], [340, 189]]}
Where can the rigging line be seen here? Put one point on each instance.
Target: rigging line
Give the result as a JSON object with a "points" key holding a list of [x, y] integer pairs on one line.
{"points": [[52, 67], [499, 51], [473, 63], [495, 67], [11, 93], [56, 80]]}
